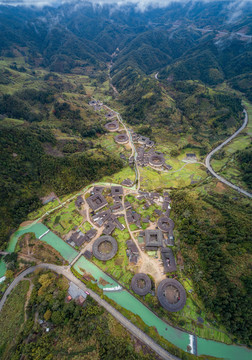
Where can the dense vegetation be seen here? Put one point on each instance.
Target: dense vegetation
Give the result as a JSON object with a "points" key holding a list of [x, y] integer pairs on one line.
{"points": [[206, 114], [212, 114], [171, 39], [21, 104], [244, 158], [215, 241], [75, 331], [49, 138], [27, 172]]}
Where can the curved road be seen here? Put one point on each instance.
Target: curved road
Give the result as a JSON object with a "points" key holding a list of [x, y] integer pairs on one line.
{"points": [[208, 159], [65, 271]]}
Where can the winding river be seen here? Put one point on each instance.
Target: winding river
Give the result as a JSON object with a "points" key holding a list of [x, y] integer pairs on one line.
{"points": [[125, 299]]}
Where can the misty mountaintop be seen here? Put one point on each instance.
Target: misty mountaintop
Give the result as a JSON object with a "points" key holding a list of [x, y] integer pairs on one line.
{"points": [[77, 35]]}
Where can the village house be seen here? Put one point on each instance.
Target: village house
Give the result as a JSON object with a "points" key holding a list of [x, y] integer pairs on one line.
{"points": [[119, 225], [127, 182], [90, 234], [117, 199], [109, 227], [131, 160], [76, 239], [132, 252], [96, 202], [122, 156], [97, 190], [101, 217], [129, 216], [153, 240], [168, 260], [116, 207], [77, 294], [79, 201], [88, 254], [116, 191], [127, 205]]}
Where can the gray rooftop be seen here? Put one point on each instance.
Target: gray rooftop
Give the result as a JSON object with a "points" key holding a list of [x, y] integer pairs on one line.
{"points": [[97, 201], [101, 217], [117, 191], [168, 260], [91, 233], [127, 182], [153, 239], [74, 291], [98, 189], [132, 247], [108, 228]]}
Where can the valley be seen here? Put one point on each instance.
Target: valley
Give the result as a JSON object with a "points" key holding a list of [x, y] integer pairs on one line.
{"points": [[125, 181], [146, 264]]}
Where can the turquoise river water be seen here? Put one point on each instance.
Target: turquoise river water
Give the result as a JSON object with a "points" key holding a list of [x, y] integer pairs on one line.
{"points": [[128, 301]]}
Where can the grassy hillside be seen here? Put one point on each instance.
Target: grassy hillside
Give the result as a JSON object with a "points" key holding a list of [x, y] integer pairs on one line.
{"points": [[48, 142], [12, 321]]}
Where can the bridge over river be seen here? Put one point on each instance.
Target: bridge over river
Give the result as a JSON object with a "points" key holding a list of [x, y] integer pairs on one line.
{"points": [[123, 298]]}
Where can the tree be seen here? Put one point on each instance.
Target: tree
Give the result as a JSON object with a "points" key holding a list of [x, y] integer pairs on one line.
{"points": [[57, 318], [174, 153], [47, 315], [9, 274]]}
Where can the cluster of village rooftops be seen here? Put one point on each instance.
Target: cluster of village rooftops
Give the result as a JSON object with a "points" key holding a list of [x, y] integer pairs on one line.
{"points": [[146, 155], [105, 205]]}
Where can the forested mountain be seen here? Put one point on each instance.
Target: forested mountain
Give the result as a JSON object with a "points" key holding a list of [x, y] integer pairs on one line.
{"points": [[47, 143], [189, 41], [177, 74], [196, 40]]}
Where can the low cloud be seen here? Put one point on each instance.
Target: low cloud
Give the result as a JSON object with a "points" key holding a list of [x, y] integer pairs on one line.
{"points": [[234, 5]]}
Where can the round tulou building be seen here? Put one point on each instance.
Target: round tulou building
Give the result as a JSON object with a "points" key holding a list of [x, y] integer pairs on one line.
{"points": [[171, 295], [105, 248]]}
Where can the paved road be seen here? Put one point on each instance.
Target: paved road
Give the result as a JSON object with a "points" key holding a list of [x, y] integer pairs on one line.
{"points": [[208, 158], [65, 271]]}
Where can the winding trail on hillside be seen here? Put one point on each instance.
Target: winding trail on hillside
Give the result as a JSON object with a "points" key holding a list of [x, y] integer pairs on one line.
{"points": [[65, 271], [208, 159]]}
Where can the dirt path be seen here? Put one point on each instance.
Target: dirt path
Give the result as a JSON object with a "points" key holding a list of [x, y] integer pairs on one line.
{"points": [[153, 267], [128, 227], [27, 298], [26, 223]]}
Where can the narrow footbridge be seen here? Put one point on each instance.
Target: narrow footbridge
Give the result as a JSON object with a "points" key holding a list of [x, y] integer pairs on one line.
{"points": [[4, 253]]}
